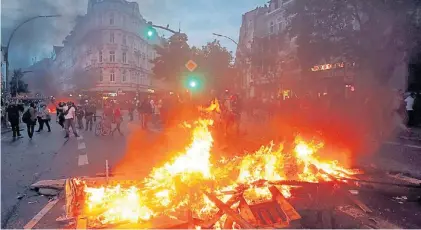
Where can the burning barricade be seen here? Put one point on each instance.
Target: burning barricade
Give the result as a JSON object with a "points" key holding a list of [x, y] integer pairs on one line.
{"points": [[199, 191]]}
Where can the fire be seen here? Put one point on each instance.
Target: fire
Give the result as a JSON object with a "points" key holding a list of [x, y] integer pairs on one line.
{"points": [[177, 184], [114, 204]]}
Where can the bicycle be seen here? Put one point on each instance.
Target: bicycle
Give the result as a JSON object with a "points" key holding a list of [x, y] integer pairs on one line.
{"points": [[103, 127]]}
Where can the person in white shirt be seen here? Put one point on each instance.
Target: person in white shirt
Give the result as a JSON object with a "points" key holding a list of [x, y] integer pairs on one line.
{"points": [[69, 116], [410, 108]]}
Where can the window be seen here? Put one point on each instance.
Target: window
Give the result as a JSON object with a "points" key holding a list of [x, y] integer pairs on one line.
{"points": [[124, 57], [111, 19], [112, 76], [271, 27], [100, 56], [112, 56], [138, 59], [112, 37], [101, 78], [124, 78], [124, 40]]}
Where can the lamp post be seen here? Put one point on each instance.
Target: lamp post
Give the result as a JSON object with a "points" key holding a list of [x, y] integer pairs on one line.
{"points": [[235, 42], [6, 53]]}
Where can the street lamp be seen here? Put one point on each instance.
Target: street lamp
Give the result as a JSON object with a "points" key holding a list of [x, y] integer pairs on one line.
{"points": [[239, 47], [6, 54], [224, 36]]}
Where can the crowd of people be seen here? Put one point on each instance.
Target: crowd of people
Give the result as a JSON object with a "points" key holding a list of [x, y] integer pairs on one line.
{"points": [[226, 109]]}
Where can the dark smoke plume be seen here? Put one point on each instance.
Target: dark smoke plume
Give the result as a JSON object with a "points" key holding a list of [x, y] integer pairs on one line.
{"points": [[36, 38]]}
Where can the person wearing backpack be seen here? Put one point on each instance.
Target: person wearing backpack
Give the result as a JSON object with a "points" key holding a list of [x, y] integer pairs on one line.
{"points": [[30, 118]]}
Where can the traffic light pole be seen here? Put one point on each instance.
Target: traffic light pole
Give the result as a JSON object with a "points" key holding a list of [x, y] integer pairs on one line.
{"points": [[164, 28]]}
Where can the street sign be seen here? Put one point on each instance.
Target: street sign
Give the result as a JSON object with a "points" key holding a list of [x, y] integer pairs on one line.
{"points": [[191, 65]]}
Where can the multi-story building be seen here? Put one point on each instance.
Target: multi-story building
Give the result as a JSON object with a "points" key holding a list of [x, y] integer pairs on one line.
{"points": [[261, 30], [3, 70], [107, 51]]}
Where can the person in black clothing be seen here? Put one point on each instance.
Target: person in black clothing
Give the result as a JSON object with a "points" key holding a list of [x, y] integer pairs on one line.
{"points": [[13, 115], [131, 110], [60, 114], [145, 112], [89, 116]]}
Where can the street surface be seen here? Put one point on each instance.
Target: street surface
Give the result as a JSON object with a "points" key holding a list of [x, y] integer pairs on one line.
{"points": [[51, 156]]}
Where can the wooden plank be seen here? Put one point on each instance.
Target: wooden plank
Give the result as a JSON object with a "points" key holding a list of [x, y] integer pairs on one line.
{"points": [[209, 223], [289, 211], [245, 211], [81, 223], [356, 201], [41, 214], [55, 184], [231, 213]]}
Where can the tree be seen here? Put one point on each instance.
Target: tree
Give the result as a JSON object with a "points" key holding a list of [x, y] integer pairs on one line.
{"points": [[171, 58], [375, 34], [213, 60], [17, 85]]}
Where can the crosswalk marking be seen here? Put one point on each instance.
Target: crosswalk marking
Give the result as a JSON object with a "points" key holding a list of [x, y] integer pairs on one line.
{"points": [[82, 160], [406, 145], [81, 145]]}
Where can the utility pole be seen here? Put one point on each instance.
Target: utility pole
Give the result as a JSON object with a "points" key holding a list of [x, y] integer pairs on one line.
{"points": [[6, 53]]}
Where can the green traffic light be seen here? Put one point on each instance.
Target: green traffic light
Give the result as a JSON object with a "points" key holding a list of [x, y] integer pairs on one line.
{"points": [[193, 84], [150, 33]]}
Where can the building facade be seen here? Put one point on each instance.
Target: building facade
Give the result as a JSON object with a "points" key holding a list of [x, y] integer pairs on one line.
{"points": [[266, 53], [3, 70], [107, 51]]}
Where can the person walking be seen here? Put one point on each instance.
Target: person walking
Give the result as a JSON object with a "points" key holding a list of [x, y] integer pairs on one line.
{"points": [[410, 109], [117, 119], [12, 112], [44, 116], [80, 113], [39, 113], [30, 118], [60, 114], [69, 116], [131, 109], [89, 116], [145, 111]]}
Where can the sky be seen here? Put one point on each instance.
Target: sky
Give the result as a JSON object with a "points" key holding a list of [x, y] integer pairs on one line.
{"points": [[198, 19]]}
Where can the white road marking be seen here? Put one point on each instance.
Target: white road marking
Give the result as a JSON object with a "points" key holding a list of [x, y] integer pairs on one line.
{"points": [[406, 179], [82, 160], [81, 145], [41, 214], [406, 145], [80, 137]]}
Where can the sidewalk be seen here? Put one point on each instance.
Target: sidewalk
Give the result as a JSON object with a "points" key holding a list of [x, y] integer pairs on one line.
{"points": [[9, 129]]}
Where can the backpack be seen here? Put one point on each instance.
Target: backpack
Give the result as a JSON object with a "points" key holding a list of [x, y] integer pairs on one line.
{"points": [[26, 117]]}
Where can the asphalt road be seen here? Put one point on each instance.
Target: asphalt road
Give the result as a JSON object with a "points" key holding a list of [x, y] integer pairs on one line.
{"points": [[51, 156]]}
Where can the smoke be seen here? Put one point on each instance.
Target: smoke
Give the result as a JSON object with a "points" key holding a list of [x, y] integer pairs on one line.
{"points": [[36, 38]]}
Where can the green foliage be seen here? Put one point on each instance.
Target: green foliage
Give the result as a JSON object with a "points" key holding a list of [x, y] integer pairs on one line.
{"points": [[374, 34], [17, 85], [214, 63]]}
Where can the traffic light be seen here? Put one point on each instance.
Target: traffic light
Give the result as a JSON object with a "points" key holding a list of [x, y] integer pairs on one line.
{"points": [[149, 32], [192, 84]]}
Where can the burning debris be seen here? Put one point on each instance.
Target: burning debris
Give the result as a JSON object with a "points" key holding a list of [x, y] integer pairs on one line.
{"points": [[191, 183]]}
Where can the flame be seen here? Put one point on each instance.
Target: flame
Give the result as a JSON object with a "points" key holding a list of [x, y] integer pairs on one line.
{"points": [[177, 183], [115, 204]]}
